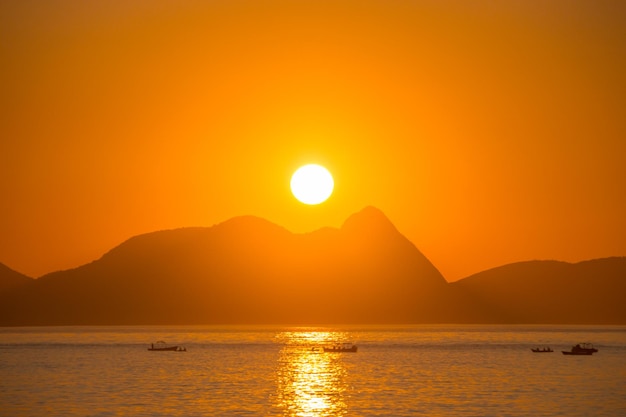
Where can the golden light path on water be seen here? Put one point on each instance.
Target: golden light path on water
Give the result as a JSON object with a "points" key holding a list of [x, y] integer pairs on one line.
{"points": [[311, 383]]}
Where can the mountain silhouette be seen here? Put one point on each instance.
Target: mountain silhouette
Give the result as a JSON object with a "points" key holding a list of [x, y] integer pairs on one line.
{"points": [[248, 270], [245, 270], [589, 292]]}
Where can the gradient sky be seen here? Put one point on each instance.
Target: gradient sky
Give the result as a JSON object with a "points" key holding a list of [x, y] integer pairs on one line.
{"points": [[488, 132]]}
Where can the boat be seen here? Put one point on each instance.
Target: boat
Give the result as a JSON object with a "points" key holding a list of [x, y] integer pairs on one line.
{"points": [[161, 346], [581, 349], [346, 347], [542, 350]]}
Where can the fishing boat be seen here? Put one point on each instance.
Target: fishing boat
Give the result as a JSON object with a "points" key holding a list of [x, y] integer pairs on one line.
{"points": [[581, 349], [542, 350], [346, 347], [161, 346]]}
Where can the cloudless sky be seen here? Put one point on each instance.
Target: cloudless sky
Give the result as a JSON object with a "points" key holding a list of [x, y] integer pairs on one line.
{"points": [[488, 132]]}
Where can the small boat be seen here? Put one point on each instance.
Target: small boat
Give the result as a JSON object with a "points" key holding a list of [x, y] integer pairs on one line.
{"points": [[542, 350], [346, 347], [161, 346], [581, 349]]}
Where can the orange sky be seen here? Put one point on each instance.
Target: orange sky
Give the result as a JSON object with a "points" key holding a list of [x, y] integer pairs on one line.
{"points": [[488, 132]]}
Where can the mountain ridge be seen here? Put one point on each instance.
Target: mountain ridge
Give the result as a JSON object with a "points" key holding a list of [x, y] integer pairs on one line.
{"points": [[243, 269], [250, 270], [593, 291]]}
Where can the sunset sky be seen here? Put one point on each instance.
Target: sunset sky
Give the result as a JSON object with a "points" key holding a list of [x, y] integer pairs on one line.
{"points": [[488, 132]]}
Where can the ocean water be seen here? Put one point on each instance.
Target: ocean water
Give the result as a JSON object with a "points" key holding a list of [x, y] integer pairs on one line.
{"points": [[279, 371]]}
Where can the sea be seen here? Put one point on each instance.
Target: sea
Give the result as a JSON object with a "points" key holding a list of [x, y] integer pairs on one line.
{"points": [[417, 370]]}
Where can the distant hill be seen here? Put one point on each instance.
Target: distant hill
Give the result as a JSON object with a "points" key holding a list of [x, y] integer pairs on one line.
{"points": [[591, 292], [247, 270]]}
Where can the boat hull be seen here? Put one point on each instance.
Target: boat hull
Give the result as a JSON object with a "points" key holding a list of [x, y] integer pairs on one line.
{"points": [[161, 346], [165, 349]]}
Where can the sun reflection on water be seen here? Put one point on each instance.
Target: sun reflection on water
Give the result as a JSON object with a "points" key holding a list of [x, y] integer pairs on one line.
{"points": [[309, 382]]}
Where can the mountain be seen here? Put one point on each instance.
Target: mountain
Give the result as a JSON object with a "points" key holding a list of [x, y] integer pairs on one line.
{"points": [[248, 270], [245, 270], [589, 292]]}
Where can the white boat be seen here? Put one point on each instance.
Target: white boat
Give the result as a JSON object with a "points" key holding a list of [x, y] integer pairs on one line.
{"points": [[346, 347]]}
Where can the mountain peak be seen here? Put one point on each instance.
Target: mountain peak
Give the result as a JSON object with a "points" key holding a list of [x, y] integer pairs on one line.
{"points": [[370, 218]]}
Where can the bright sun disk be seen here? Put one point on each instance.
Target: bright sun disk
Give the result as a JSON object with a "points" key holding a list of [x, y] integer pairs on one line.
{"points": [[312, 184]]}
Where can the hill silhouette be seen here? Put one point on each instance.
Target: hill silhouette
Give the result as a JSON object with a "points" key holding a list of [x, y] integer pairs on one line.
{"points": [[248, 270], [588, 292], [245, 270]]}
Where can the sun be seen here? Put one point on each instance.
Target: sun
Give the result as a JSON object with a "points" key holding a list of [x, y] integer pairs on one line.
{"points": [[312, 184]]}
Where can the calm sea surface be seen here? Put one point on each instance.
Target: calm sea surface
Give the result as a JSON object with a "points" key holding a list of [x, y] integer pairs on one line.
{"points": [[278, 371]]}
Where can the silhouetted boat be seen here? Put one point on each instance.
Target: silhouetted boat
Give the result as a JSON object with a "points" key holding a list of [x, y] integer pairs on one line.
{"points": [[346, 347], [161, 346], [542, 350], [581, 349]]}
